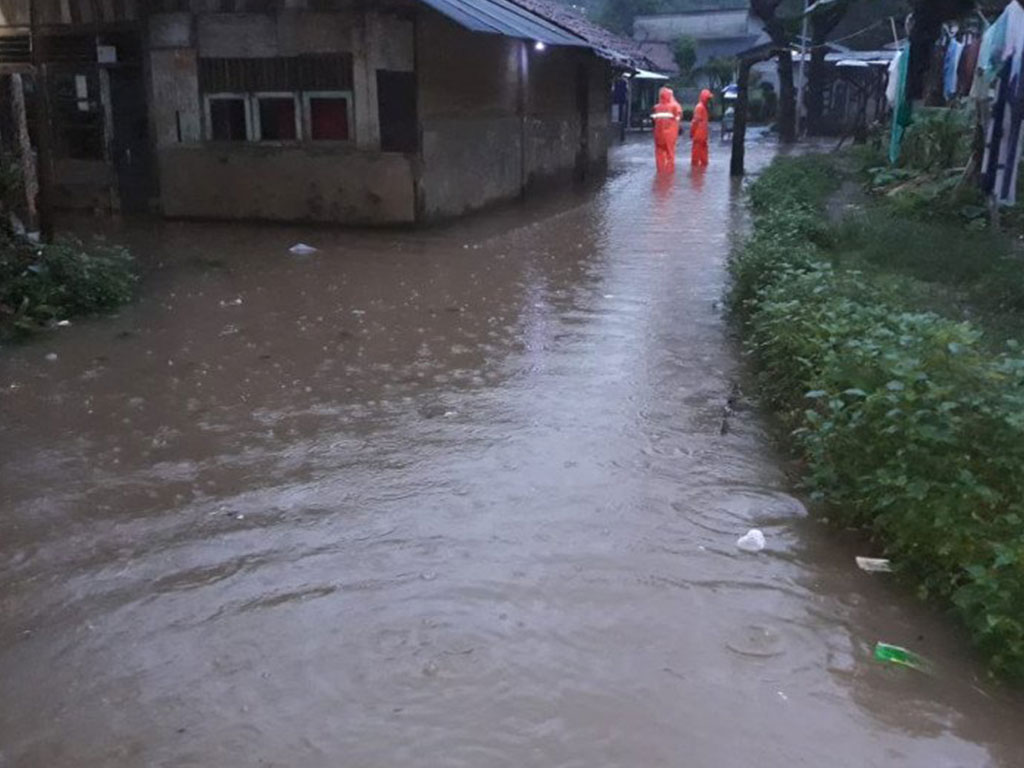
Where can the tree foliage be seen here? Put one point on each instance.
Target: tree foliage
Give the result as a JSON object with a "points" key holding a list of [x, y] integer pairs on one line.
{"points": [[719, 70], [684, 52]]}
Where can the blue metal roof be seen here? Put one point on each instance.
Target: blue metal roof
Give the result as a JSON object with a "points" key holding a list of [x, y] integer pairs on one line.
{"points": [[503, 17]]}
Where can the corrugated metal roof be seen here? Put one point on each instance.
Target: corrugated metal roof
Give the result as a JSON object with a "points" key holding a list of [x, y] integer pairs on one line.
{"points": [[502, 17]]}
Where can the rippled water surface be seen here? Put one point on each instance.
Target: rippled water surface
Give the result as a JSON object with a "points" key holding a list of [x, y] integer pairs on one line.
{"points": [[460, 497]]}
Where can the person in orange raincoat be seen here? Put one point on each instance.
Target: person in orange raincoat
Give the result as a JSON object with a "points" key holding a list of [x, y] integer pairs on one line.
{"points": [[666, 116], [700, 130]]}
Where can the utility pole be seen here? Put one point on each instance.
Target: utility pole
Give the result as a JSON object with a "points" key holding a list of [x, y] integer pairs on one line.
{"points": [[803, 71], [44, 145]]}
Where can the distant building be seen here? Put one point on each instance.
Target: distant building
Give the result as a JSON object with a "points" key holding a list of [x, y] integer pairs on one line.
{"points": [[721, 29], [393, 111]]}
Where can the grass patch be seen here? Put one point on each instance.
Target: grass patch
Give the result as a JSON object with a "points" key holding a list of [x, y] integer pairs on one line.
{"points": [[939, 266], [911, 424]]}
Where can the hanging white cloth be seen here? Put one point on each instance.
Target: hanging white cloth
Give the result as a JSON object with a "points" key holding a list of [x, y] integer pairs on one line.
{"points": [[892, 87]]}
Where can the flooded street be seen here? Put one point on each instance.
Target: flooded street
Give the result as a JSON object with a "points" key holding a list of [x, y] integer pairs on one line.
{"points": [[464, 497]]}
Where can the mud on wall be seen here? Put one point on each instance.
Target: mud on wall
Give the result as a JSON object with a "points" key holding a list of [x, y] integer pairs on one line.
{"points": [[287, 184]]}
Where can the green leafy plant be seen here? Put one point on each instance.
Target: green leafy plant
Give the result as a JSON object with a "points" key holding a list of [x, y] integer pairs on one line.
{"points": [[43, 283], [938, 139], [911, 425]]}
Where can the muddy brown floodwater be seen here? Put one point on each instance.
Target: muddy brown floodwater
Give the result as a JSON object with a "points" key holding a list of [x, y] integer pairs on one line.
{"points": [[460, 497]]}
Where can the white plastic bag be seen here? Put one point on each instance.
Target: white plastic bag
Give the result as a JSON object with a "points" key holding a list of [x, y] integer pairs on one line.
{"points": [[752, 541]]}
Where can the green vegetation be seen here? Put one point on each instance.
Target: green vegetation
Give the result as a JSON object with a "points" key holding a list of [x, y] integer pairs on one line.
{"points": [[43, 284], [684, 52], [878, 341], [936, 179]]}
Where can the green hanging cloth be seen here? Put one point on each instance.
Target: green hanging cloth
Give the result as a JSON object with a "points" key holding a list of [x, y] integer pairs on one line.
{"points": [[901, 114]]}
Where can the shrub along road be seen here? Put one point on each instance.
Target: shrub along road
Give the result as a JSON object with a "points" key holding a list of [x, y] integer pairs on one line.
{"points": [[911, 419]]}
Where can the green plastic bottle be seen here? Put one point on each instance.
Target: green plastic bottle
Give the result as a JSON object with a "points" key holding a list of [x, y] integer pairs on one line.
{"points": [[894, 654]]}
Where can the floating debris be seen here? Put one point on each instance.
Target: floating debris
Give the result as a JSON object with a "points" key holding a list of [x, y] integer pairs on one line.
{"points": [[894, 654], [874, 564], [752, 541], [301, 249]]}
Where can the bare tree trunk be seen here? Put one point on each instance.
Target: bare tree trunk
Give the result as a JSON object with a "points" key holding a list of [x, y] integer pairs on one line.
{"points": [[787, 96], [816, 90], [823, 23]]}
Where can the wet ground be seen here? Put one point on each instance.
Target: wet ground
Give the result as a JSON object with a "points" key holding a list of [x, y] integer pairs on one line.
{"points": [[463, 497]]}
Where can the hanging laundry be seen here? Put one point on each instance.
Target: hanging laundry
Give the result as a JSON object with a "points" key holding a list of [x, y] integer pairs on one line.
{"points": [[968, 65], [949, 68], [991, 51], [893, 82], [1001, 161], [896, 92]]}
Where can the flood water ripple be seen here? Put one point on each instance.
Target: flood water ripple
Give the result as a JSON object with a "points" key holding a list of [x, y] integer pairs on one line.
{"points": [[466, 496]]}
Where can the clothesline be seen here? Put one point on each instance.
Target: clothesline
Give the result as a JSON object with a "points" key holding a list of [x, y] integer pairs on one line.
{"points": [[859, 32]]}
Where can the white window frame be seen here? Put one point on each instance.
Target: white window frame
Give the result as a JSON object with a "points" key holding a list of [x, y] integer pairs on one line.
{"points": [[257, 131], [307, 115], [244, 98]]}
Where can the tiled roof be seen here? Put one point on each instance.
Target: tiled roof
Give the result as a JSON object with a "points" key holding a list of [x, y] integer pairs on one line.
{"points": [[544, 21]]}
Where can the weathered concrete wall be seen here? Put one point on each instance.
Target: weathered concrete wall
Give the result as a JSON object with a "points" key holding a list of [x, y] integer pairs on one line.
{"points": [[479, 145], [471, 127], [294, 181], [555, 124], [286, 184], [496, 117]]}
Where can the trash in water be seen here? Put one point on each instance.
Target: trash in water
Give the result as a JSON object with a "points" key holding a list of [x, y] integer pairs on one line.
{"points": [[52, 357], [894, 654], [63, 323], [874, 564], [233, 303], [752, 541], [301, 249]]}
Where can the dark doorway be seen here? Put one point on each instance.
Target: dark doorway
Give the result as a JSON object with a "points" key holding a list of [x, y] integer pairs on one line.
{"points": [[131, 152], [396, 97], [583, 108]]}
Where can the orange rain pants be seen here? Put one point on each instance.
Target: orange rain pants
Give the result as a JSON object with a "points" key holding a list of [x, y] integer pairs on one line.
{"points": [[666, 116], [700, 131]]}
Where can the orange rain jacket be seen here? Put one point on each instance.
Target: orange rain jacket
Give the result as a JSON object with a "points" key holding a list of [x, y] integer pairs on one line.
{"points": [[700, 129], [666, 116]]}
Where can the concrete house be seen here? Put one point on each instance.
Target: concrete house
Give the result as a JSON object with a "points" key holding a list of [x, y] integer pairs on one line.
{"points": [[721, 29], [351, 111]]}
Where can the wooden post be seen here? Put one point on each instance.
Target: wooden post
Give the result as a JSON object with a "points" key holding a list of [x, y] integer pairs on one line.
{"points": [[739, 125], [628, 116], [28, 167], [522, 101], [44, 129]]}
